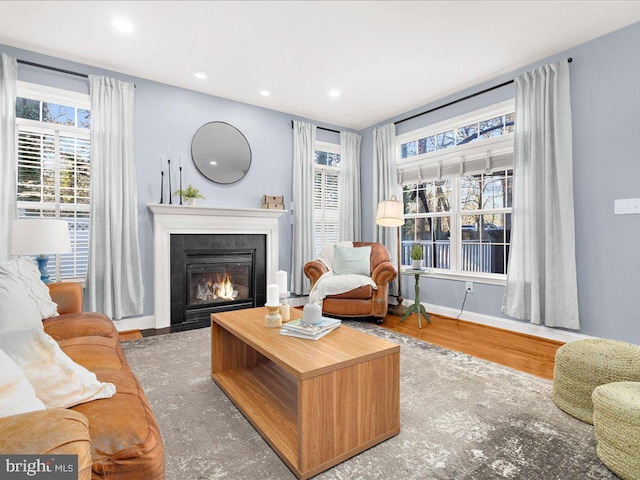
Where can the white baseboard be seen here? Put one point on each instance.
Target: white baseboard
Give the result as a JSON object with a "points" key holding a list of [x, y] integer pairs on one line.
{"points": [[505, 323], [135, 323]]}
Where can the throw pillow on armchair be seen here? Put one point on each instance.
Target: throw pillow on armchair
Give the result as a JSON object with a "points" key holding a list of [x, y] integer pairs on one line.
{"points": [[351, 260]]}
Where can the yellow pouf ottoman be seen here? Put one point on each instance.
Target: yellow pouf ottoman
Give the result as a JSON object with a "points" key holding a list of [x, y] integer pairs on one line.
{"points": [[583, 365], [616, 418]]}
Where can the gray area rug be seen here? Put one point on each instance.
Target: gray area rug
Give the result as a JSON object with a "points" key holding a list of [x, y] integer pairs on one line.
{"points": [[461, 418]]}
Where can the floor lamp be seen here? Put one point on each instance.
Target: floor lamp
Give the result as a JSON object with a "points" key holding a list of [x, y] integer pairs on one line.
{"points": [[391, 214]]}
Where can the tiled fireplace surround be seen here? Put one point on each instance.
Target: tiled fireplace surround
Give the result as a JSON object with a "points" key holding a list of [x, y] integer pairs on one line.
{"points": [[174, 219]]}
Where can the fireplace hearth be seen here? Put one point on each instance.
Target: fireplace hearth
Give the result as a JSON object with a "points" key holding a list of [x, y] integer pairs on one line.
{"points": [[215, 272]]}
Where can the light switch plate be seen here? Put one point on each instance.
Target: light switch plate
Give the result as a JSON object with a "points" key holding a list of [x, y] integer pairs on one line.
{"points": [[627, 206]]}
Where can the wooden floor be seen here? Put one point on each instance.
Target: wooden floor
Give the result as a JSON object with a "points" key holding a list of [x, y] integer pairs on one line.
{"points": [[519, 351], [130, 335]]}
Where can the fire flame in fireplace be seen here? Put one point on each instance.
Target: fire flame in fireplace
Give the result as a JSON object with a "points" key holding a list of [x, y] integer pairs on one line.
{"points": [[218, 290], [225, 289]]}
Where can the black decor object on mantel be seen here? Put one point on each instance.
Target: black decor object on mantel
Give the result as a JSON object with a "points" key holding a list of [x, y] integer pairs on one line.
{"points": [[180, 182], [170, 196], [161, 186]]}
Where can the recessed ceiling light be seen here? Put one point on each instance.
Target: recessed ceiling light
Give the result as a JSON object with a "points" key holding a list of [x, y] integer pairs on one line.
{"points": [[123, 25], [213, 163], [334, 93], [201, 74], [266, 92]]}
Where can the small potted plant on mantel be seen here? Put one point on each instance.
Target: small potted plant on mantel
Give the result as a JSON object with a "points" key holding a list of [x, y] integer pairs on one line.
{"points": [[416, 257], [190, 195]]}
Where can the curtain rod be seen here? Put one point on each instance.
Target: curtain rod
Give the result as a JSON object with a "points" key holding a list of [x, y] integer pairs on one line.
{"points": [[321, 128], [569, 60], [56, 69]]}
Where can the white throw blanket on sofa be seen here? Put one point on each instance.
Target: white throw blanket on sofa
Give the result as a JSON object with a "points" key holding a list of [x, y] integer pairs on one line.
{"points": [[330, 283]]}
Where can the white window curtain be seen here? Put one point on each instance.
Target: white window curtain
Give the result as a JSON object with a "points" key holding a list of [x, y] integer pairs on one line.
{"points": [[385, 184], [541, 279], [114, 277], [8, 86], [304, 138], [349, 207]]}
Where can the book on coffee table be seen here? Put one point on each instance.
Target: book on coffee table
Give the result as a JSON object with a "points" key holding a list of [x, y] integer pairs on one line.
{"points": [[300, 329], [307, 336]]}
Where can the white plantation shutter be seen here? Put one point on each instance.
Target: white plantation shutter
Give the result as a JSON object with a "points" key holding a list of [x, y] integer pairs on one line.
{"points": [[325, 204], [74, 265], [36, 166], [53, 181]]}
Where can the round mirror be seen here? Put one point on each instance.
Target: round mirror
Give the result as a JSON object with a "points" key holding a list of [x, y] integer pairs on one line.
{"points": [[221, 152]]}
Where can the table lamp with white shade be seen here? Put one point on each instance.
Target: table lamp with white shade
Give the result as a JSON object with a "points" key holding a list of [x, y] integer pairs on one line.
{"points": [[391, 214], [40, 236]]}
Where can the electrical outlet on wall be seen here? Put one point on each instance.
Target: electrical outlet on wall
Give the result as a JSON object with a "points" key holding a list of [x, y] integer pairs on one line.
{"points": [[469, 287], [627, 206]]}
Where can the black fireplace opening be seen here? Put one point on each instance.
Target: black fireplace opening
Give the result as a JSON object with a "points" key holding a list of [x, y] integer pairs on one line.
{"points": [[215, 273], [219, 279]]}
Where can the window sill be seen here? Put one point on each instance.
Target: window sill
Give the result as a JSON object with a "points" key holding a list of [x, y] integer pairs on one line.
{"points": [[462, 277], [81, 280]]}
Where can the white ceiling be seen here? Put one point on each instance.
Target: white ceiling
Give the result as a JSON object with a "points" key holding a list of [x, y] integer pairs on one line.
{"points": [[385, 57]]}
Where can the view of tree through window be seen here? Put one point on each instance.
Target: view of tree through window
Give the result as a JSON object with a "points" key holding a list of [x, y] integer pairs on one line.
{"points": [[458, 190], [481, 206], [53, 167], [427, 208], [491, 127], [485, 202]]}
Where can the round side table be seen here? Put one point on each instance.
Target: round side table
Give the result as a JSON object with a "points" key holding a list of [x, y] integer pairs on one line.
{"points": [[417, 307]]}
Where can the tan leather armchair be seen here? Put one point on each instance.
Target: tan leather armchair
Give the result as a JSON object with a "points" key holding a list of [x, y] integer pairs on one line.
{"points": [[364, 301]]}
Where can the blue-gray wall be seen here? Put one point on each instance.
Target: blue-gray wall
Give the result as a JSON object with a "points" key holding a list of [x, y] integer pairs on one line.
{"points": [[605, 98], [170, 115], [605, 83]]}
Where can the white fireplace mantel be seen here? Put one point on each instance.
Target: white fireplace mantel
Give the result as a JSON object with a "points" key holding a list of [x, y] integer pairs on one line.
{"points": [[176, 219]]}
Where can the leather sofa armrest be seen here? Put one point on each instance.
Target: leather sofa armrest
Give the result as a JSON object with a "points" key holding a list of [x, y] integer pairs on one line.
{"points": [[68, 296], [49, 432], [314, 270], [84, 324], [384, 273]]}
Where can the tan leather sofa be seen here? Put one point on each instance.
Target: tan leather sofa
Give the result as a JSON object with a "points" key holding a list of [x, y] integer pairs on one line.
{"points": [[114, 438], [364, 301]]}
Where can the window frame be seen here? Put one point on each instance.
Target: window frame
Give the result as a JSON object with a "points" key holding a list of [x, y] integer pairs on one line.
{"points": [[498, 144], [70, 98]]}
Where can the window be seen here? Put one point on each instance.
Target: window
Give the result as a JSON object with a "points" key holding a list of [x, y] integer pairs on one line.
{"points": [[457, 203], [427, 208], [53, 166], [485, 221], [480, 205], [461, 135], [325, 193]]}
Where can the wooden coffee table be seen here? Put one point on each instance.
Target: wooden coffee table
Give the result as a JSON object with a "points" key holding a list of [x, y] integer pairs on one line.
{"points": [[316, 403]]}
